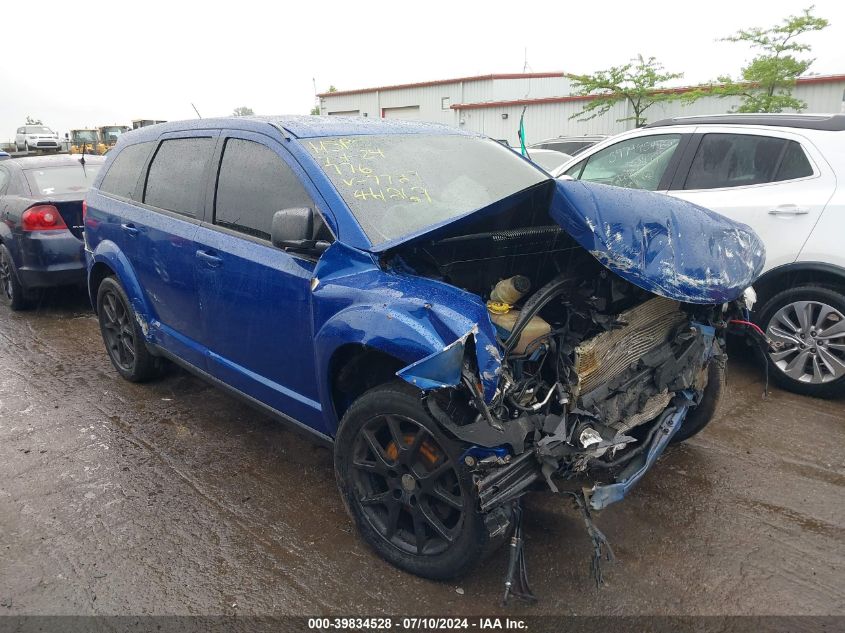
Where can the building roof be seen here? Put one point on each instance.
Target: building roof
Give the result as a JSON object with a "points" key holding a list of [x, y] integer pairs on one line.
{"points": [[440, 82], [819, 79]]}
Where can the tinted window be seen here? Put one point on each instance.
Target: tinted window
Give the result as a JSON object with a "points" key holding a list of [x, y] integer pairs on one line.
{"points": [[636, 163], [176, 178], [122, 177], [794, 163], [253, 184], [734, 160], [53, 181], [569, 147]]}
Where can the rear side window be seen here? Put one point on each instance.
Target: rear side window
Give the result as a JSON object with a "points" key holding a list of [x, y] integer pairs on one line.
{"points": [[122, 177], [794, 163], [253, 184], [177, 175], [737, 160]]}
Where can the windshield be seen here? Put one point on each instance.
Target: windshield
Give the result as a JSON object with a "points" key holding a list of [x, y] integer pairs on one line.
{"points": [[397, 184], [38, 129], [52, 181], [85, 136], [110, 134]]}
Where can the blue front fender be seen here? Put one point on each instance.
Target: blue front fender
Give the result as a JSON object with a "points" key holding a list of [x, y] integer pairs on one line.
{"points": [[405, 316]]}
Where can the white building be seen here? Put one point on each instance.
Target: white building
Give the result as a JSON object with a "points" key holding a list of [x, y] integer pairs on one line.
{"points": [[492, 104]]}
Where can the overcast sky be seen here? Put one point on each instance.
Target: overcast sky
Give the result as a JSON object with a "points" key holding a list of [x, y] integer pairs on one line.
{"points": [[94, 63]]}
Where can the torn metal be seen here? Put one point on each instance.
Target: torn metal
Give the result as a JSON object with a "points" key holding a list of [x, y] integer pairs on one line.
{"points": [[597, 343]]}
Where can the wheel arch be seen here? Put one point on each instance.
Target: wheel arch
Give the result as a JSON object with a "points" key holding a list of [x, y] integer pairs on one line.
{"points": [[790, 275], [109, 260], [355, 368], [99, 271]]}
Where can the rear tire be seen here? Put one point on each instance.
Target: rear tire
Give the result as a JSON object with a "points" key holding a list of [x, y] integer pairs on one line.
{"points": [[810, 321], [122, 334], [12, 293], [700, 416], [405, 487]]}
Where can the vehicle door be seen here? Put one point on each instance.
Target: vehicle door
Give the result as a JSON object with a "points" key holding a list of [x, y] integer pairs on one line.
{"points": [[256, 298], [124, 184], [173, 198], [646, 161], [777, 182]]}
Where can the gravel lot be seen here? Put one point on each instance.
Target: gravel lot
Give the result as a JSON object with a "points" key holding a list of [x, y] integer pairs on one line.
{"points": [[173, 498]]}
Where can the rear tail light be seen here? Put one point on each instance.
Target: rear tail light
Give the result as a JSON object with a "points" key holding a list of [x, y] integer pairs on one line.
{"points": [[84, 210], [44, 217]]}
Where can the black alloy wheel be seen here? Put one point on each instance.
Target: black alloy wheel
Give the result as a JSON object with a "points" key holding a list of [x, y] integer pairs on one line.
{"points": [[122, 334], [117, 331], [407, 485], [403, 482]]}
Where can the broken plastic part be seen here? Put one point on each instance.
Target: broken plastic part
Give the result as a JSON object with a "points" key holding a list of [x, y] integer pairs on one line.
{"points": [[602, 496], [589, 436]]}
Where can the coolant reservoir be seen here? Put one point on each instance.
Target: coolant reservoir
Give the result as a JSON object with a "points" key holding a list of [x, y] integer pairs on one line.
{"points": [[504, 316]]}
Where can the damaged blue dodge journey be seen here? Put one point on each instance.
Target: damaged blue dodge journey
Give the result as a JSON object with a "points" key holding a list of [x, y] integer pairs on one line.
{"points": [[464, 328]]}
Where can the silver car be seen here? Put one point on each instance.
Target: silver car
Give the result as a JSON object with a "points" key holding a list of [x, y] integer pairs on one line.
{"points": [[34, 137]]}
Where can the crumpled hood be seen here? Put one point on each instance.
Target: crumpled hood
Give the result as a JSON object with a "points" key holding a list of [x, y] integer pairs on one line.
{"points": [[667, 246]]}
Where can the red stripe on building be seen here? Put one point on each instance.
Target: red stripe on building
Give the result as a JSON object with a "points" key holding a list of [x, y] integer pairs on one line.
{"points": [[821, 79], [441, 82]]}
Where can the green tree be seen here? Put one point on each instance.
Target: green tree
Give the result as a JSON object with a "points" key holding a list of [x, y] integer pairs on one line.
{"points": [[242, 111], [766, 83], [315, 110], [640, 83]]}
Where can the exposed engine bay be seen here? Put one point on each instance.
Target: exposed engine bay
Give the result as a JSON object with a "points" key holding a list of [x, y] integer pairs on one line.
{"points": [[596, 377]]}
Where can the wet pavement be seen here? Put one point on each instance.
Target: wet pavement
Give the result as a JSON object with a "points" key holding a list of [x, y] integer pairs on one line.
{"points": [[174, 498]]}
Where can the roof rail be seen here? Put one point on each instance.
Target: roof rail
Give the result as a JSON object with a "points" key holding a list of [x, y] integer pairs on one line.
{"points": [[828, 122]]}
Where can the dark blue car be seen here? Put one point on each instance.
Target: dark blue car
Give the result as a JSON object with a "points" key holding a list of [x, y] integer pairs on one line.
{"points": [[463, 328], [41, 224]]}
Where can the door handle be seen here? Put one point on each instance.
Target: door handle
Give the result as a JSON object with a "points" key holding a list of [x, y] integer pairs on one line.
{"points": [[209, 258], [130, 229], [789, 209]]}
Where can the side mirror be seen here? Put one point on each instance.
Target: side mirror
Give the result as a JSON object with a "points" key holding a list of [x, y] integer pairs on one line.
{"points": [[293, 229]]}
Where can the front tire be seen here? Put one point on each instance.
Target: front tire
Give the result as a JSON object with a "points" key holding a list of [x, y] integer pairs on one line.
{"points": [[809, 322], [703, 413], [12, 293], [122, 334], [402, 482]]}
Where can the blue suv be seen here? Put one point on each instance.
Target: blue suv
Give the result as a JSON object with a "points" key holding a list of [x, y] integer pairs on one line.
{"points": [[459, 325]]}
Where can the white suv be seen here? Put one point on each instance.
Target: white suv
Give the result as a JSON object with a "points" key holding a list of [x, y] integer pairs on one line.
{"points": [[33, 137], [777, 173]]}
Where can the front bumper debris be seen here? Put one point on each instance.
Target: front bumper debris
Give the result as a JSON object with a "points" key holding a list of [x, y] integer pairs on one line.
{"points": [[602, 496]]}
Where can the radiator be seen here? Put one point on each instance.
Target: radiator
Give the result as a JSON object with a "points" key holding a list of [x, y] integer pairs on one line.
{"points": [[605, 356]]}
